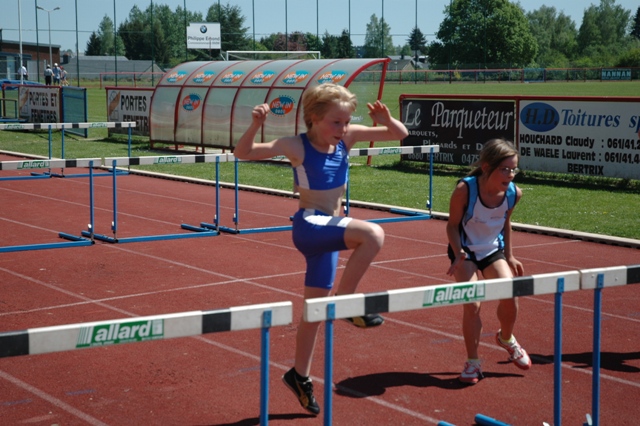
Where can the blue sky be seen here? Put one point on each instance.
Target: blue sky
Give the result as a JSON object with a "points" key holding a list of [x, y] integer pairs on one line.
{"points": [[269, 15]]}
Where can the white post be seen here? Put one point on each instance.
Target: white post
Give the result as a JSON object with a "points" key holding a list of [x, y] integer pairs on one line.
{"points": [[49, 21], [50, 54]]}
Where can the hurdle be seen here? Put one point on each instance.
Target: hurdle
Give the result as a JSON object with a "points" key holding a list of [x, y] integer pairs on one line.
{"points": [[204, 230], [158, 327], [236, 213], [41, 164], [597, 280], [405, 215], [62, 126], [329, 309]]}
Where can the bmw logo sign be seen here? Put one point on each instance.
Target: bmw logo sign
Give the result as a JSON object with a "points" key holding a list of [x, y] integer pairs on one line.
{"points": [[203, 29]]}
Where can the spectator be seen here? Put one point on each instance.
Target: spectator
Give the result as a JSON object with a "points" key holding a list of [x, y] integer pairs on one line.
{"points": [[63, 77], [56, 74], [47, 75], [24, 74]]}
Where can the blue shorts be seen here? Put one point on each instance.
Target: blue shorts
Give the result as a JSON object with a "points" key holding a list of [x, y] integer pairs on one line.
{"points": [[319, 237]]}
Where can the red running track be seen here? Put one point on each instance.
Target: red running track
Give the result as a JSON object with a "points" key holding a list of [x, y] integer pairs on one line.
{"points": [[403, 373]]}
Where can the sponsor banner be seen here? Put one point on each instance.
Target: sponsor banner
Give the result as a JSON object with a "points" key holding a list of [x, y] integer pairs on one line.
{"points": [[597, 138], [295, 78], [282, 105], [34, 164], [39, 104], [168, 159], [129, 105], [203, 35], [459, 127], [120, 332], [616, 74], [456, 293]]}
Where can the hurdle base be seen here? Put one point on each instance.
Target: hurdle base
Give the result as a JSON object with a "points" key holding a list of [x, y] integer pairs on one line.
{"points": [[79, 175], [75, 243], [229, 230], [420, 216], [201, 228], [255, 230], [39, 176], [144, 238], [100, 237], [73, 237], [206, 225], [483, 420]]}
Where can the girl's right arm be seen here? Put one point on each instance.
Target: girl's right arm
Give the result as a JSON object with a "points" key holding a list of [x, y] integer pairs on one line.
{"points": [[457, 206], [248, 149]]}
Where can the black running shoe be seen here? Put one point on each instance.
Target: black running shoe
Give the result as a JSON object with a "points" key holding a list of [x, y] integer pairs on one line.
{"points": [[304, 391], [366, 321]]}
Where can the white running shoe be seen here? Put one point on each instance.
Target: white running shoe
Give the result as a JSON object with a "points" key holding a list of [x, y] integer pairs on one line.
{"points": [[517, 354], [472, 372]]}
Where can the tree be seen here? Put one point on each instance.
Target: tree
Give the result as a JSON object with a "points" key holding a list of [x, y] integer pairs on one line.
{"points": [[604, 28], [406, 51], [233, 34], [630, 58], [417, 42], [329, 46], [483, 32], [345, 46], [313, 42], [556, 36], [133, 32], [94, 45], [635, 26], [106, 36], [270, 41], [378, 42], [158, 33]]}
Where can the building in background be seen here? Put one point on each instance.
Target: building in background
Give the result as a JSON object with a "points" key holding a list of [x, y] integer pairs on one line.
{"points": [[31, 53]]}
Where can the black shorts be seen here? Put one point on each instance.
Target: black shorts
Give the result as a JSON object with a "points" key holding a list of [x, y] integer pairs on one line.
{"points": [[480, 264]]}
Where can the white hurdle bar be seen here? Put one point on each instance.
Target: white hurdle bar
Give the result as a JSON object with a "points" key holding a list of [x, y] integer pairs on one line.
{"points": [[167, 159], [131, 330], [63, 126], [416, 149], [40, 164], [329, 309]]}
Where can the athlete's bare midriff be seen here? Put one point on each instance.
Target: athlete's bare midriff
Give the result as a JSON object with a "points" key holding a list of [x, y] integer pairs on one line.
{"points": [[328, 201]]}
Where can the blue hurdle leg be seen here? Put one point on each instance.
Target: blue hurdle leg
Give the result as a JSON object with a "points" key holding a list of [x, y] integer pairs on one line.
{"points": [[264, 369]]}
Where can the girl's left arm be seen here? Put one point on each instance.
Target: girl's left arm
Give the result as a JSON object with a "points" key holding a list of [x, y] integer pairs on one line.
{"points": [[514, 264], [388, 128]]}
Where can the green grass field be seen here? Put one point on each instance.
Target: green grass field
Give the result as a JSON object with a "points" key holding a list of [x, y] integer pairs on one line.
{"points": [[587, 204]]}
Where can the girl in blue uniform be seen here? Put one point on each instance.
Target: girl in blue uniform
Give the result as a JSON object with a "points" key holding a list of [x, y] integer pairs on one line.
{"points": [[479, 233], [320, 162]]}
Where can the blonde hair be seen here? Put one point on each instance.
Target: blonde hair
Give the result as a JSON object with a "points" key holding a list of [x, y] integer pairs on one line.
{"points": [[493, 153], [317, 100]]}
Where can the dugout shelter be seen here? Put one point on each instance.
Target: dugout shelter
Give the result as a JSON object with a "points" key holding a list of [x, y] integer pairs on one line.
{"points": [[209, 104]]}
